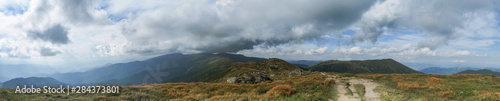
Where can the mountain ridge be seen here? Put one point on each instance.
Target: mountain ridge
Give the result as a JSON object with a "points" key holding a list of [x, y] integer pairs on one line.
{"points": [[451, 71], [481, 71], [37, 82], [137, 72], [209, 67], [384, 66]]}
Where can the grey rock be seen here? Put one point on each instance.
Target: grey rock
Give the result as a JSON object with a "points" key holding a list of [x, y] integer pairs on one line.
{"points": [[233, 80], [247, 77], [261, 77], [250, 78], [296, 72]]}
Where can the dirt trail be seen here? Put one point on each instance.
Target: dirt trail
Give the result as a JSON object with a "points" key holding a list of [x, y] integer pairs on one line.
{"points": [[370, 95], [342, 88]]}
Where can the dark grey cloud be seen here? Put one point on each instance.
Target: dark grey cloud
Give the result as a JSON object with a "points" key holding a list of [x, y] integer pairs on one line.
{"points": [[56, 34], [438, 19], [78, 12], [239, 24], [48, 52]]}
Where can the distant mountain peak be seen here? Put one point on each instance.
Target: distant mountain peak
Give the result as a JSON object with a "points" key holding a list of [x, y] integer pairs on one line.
{"points": [[385, 66], [37, 82], [481, 71]]}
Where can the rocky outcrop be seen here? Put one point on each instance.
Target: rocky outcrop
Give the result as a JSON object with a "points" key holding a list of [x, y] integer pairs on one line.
{"points": [[233, 80], [249, 78], [296, 72]]}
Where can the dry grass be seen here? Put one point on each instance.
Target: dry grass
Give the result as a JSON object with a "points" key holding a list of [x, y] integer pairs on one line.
{"points": [[305, 87], [440, 87], [281, 90], [408, 86], [328, 81]]}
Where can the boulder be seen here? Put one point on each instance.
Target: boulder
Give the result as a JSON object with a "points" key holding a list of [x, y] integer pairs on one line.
{"points": [[249, 78], [296, 72], [260, 77], [246, 77], [233, 80]]}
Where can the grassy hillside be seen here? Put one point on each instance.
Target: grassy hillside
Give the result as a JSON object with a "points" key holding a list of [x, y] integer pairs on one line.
{"points": [[384, 66], [170, 68], [482, 71], [304, 63], [207, 70], [300, 88], [463, 87], [309, 86], [269, 66]]}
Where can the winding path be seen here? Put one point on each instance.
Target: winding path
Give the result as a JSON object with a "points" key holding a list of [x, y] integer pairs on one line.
{"points": [[343, 88]]}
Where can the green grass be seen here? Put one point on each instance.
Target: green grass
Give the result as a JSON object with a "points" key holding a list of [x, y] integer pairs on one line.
{"points": [[349, 92], [391, 95], [360, 89]]}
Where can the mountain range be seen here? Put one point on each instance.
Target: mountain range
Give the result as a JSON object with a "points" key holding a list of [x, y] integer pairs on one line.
{"points": [[384, 66], [450, 71], [304, 63], [481, 71], [37, 82], [159, 69], [215, 67]]}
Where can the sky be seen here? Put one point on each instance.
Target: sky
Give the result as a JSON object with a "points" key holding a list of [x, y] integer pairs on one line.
{"points": [[79, 34]]}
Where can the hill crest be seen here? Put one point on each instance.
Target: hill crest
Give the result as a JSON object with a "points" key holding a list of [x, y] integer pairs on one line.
{"points": [[384, 66], [481, 71], [37, 82]]}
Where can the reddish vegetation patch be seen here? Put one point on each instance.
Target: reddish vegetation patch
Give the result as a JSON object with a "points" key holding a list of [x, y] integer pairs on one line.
{"points": [[408, 86], [278, 90], [301, 86], [328, 81]]}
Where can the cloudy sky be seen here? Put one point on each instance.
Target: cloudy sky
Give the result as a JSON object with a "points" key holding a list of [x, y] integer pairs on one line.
{"points": [[88, 33]]}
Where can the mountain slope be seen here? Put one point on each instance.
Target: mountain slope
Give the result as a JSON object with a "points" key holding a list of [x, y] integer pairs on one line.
{"points": [[222, 68], [37, 82], [444, 71], [159, 69], [450, 71], [303, 63], [384, 66], [269, 66], [482, 71]]}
